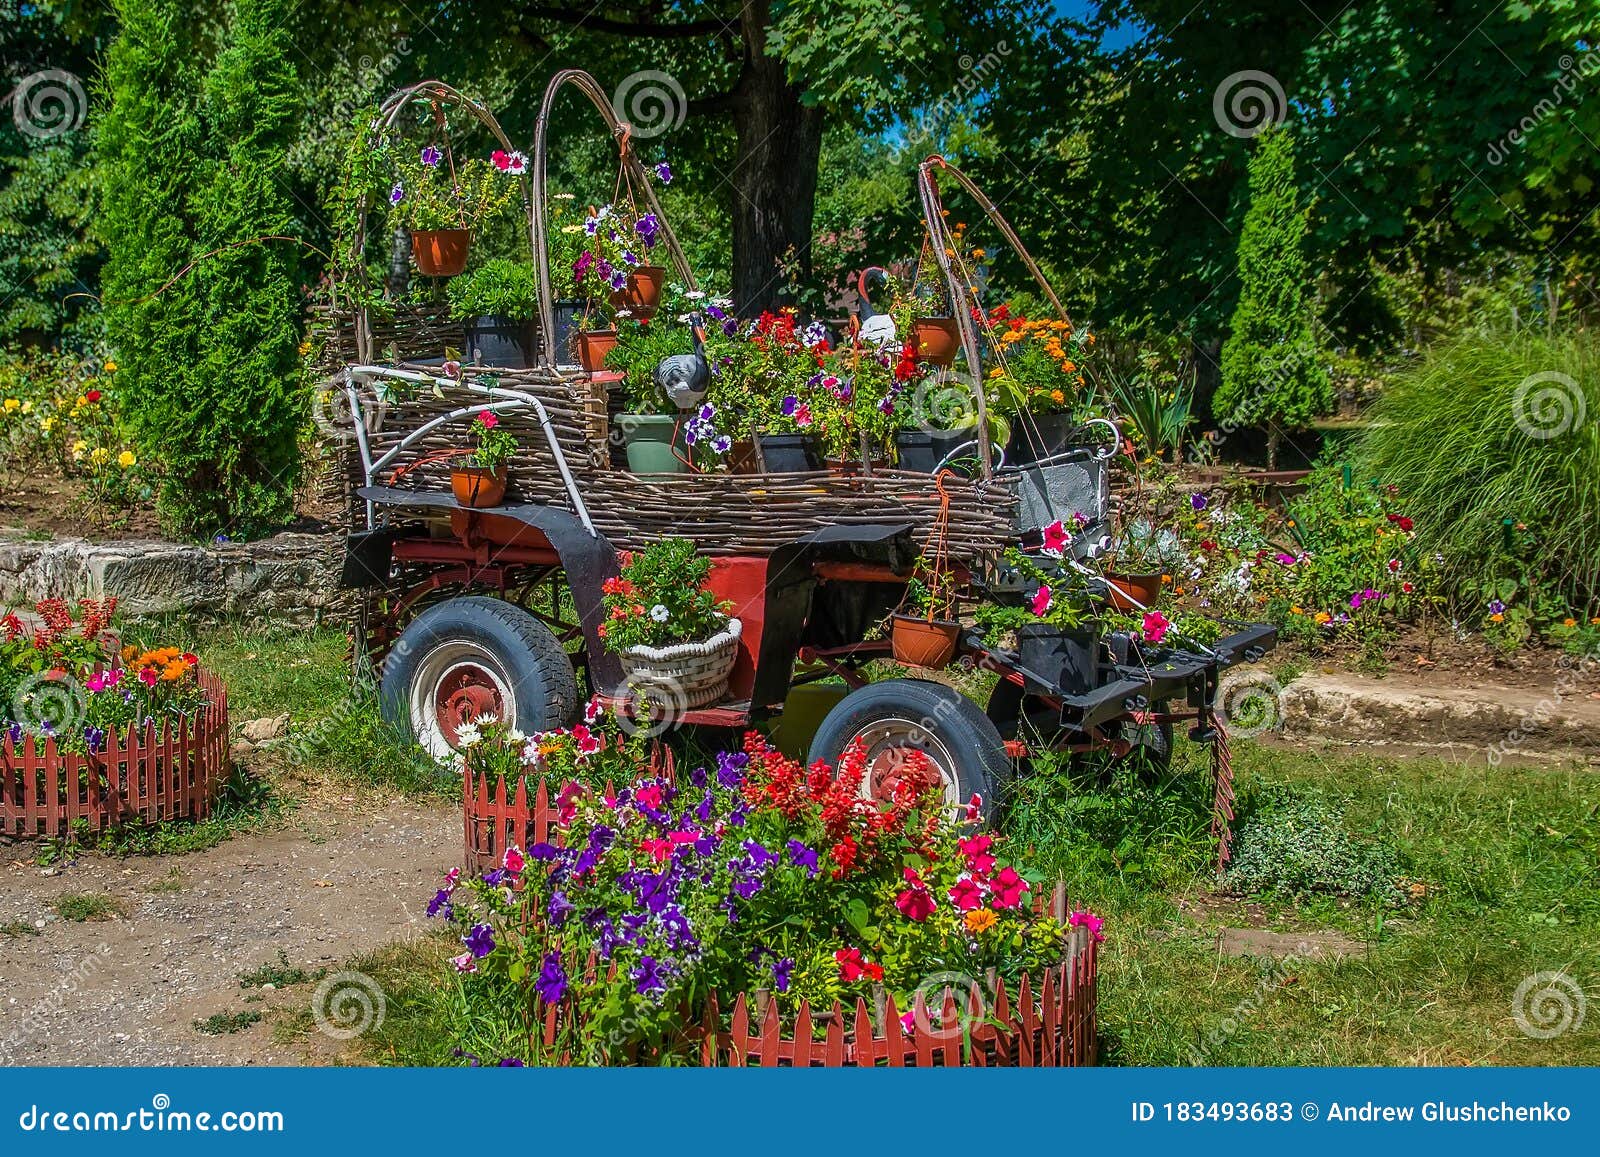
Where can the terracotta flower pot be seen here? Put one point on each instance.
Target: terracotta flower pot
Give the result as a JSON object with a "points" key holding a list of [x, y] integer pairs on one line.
{"points": [[1125, 588], [593, 346], [919, 643], [474, 486], [938, 339], [643, 292], [440, 252]]}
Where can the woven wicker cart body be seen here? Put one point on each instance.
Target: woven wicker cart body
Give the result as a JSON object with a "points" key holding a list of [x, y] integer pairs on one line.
{"points": [[683, 675]]}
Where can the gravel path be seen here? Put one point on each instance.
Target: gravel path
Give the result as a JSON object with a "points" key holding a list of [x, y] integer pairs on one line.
{"points": [[333, 883]]}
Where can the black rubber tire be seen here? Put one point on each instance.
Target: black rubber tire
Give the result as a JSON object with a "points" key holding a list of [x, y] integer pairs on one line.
{"points": [[529, 658], [974, 754]]}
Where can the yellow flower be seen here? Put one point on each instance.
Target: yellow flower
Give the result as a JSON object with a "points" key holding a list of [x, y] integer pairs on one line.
{"points": [[111, 367], [1296, 611], [997, 371], [47, 424], [980, 254], [1324, 617], [27, 407], [12, 405], [81, 402], [1057, 396], [980, 920], [99, 454], [126, 459]]}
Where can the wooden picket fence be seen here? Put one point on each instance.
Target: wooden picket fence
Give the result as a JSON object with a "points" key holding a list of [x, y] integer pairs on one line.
{"points": [[170, 773], [1049, 1023]]}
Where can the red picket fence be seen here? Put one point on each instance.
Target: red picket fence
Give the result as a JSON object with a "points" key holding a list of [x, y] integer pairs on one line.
{"points": [[168, 774], [1048, 1024]]}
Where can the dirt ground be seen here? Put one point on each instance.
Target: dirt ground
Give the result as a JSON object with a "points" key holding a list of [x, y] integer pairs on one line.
{"points": [[336, 881]]}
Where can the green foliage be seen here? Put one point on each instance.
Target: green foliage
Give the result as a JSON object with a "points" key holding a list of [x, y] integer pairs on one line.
{"points": [[661, 598], [1155, 399], [494, 444], [441, 196], [1495, 444], [280, 974], [193, 170], [49, 258], [1270, 369], [223, 1023], [85, 907], [1297, 845]]}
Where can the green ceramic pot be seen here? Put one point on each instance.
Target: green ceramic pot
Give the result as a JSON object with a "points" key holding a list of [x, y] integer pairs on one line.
{"points": [[650, 444]]}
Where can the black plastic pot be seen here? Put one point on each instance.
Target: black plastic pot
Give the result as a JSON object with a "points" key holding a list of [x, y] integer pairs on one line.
{"points": [[923, 450], [1067, 659], [1039, 436], [790, 453], [566, 317], [506, 342]]}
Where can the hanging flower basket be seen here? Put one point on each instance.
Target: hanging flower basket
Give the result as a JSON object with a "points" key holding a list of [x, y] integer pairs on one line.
{"points": [[684, 675], [938, 340], [642, 295], [921, 642], [441, 252]]}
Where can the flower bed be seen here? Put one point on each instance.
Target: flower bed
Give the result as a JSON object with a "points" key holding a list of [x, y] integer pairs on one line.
{"points": [[96, 737], [814, 916]]}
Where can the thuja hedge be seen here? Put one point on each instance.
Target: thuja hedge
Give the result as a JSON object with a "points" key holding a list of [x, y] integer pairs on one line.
{"points": [[203, 315]]}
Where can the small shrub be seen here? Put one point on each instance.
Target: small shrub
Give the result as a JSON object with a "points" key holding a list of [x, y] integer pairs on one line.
{"points": [[280, 974], [1299, 846], [18, 928], [81, 907], [219, 1023]]}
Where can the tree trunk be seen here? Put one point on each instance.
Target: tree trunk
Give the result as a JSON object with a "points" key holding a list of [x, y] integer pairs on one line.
{"points": [[775, 172], [1274, 440]]}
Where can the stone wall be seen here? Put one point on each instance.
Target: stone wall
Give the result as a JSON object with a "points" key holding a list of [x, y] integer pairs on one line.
{"points": [[289, 579]]}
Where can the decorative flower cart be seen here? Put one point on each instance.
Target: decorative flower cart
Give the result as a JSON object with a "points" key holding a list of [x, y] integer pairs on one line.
{"points": [[475, 611]]}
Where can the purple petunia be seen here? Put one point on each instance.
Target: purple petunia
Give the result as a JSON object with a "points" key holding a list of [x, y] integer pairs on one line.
{"points": [[780, 973], [664, 173], [440, 905], [1496, 607], [649, 230], [479, 941], [1199, 501], [803, 857], [648, 977], [790, 405], [551, 983], [397, 194], [431, 157]]}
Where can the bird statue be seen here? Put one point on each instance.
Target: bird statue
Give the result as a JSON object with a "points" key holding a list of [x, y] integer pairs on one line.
{"points": [[877, 329], [684, 377]]}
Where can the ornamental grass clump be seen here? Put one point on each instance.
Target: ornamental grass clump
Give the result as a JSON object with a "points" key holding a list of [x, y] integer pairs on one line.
{"points": [[750, 873], [1495, 442]]}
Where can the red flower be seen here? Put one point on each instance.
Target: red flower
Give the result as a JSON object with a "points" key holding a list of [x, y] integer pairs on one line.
{"points": [[1401, 521], [488, 419], [915, 904], [973, 808], [1407, 588], [980, 861], [1056, 538], [851, 966], [966, 895], [1008, 888], [1207, 544], [844, 854], [92, 396], [501, 159], [873, 971]]}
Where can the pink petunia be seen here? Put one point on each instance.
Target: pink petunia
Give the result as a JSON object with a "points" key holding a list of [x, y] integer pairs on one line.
{"points": [[1090, 921], [1056, 539], [1041, 600], [1008, 888], [1155, 626], [966, 894], [488, 419], [514, 861]]}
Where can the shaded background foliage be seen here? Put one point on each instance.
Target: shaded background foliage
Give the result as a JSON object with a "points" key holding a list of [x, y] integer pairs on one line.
{"points": [[1446, 148]]}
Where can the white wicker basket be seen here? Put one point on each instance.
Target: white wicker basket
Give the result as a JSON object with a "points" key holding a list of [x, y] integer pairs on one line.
{"points": [[683, 675]]}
